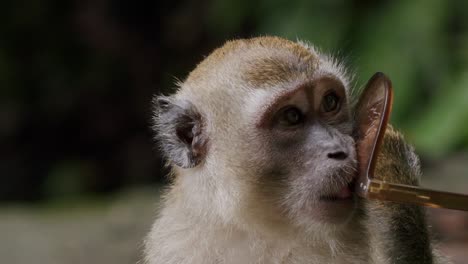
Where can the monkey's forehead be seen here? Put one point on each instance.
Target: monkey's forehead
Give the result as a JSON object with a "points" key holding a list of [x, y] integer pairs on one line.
{"points": [[263, 62]]}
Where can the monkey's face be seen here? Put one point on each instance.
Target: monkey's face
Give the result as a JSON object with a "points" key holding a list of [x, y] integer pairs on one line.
{"points": [[307, 156], [261, 130]]}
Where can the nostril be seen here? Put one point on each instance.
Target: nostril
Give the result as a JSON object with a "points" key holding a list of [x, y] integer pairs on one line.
{"points": [[339, 155]]}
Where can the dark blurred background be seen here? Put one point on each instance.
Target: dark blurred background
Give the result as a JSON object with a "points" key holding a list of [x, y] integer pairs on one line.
{"points": [[77, 79]]}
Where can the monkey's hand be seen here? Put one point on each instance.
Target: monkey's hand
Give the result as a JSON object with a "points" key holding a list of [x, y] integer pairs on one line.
{"points": [[398, 232]]}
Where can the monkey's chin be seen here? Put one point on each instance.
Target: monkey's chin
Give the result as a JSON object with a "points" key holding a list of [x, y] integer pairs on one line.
{"points": [[337, 208]]}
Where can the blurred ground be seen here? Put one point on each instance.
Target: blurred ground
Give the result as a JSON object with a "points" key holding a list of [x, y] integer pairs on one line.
{"points": [[112, 230], [79, 232]]}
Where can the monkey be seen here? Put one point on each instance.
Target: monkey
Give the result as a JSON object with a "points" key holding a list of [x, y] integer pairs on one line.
{"points": [[259, 138]]}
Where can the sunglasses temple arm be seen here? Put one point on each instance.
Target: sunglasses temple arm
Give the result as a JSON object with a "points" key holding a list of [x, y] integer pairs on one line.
{"points": [[415, 195]]}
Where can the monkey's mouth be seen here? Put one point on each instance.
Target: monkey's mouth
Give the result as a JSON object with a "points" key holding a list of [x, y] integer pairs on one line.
{"points": [[345, 193]]}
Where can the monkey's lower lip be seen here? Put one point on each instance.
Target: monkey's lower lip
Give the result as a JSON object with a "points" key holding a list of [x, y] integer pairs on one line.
{"points": [[343, 194]]}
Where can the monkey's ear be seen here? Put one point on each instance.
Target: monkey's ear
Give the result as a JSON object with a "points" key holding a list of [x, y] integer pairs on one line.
{"points": [[178, 126]]}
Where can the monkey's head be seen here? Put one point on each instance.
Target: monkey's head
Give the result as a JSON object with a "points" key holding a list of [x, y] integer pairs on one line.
{"points": [[260, 134]]}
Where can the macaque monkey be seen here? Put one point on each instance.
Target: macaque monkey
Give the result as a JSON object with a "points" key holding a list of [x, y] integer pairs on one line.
{"points": [[260, 141]]}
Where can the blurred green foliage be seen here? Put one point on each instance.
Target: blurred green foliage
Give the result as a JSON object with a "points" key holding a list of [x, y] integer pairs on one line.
{"points": [[77, 77], [422, 45]]}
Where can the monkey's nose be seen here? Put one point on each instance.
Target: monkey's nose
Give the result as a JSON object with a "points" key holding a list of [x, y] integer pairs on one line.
{"points": [[339, 155]]}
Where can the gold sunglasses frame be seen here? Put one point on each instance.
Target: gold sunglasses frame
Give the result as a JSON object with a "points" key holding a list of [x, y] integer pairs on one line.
{"points": [[371, 128]]}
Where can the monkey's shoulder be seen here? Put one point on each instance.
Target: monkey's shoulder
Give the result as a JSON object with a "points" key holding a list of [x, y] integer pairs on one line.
{"points": [[397, 161]]}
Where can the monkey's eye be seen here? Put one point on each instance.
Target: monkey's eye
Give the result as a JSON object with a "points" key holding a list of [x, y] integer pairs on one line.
{"points": [[291, 116], [330, 102]]}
